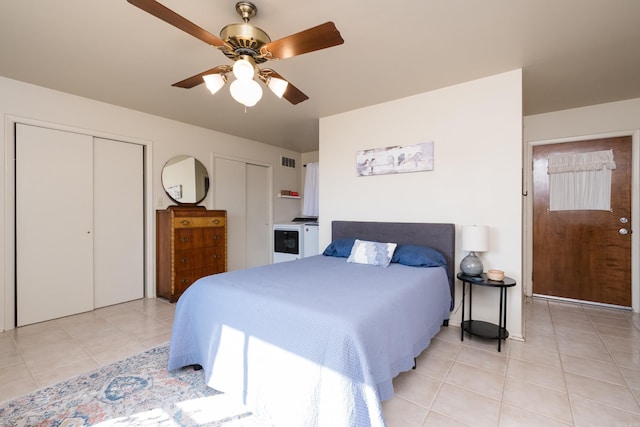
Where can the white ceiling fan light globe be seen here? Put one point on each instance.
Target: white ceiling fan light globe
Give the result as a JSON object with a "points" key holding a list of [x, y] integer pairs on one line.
{"points": [[277, 86], [214, 82], [243, 69], [254, 93], [246, 92], [237, 91]]}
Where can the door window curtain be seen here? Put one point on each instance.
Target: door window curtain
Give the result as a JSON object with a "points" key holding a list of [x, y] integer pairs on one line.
{"points": [[580, 181], [310, 206]]}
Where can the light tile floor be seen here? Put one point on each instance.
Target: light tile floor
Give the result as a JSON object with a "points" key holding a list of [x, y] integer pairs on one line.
{"points": [[580, 365], [39, 355]]}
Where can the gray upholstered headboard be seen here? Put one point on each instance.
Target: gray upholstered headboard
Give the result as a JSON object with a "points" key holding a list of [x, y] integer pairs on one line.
{"points": [[438, 236]]}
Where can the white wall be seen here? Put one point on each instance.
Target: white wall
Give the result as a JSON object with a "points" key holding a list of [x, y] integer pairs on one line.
{"points": [[477, 132], [164, 139], [615, 118], [585, 121]]}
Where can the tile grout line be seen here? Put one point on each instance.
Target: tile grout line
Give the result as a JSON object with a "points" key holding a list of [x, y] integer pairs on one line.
{"points": [[24, 361], [439, 389], [557, 351], [615, 363]]}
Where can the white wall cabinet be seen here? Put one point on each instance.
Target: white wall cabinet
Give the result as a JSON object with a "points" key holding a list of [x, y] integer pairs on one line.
{"points": [[79, 223]]}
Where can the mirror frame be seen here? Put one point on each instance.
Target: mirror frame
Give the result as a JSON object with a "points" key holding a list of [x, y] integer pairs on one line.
{"points": [[185, 181]]}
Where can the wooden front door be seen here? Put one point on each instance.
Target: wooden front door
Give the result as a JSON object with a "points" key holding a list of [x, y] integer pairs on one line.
{"points": [[583, 254]]}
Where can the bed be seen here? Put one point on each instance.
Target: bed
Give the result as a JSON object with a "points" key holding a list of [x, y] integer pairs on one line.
{"points": [[317, 341]]}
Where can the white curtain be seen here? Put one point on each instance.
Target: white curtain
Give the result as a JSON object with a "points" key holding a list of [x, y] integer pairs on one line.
{"points": [[310, 206], [580, 181]]}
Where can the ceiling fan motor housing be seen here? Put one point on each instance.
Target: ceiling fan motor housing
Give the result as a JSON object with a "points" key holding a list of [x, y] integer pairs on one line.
{"points": [[245, 39]]}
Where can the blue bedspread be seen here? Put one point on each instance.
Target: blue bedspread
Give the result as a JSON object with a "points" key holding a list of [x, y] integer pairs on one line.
{"points": [[311, 342]]}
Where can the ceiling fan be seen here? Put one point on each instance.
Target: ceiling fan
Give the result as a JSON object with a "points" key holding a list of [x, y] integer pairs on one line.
{"points": [[248, 46]]}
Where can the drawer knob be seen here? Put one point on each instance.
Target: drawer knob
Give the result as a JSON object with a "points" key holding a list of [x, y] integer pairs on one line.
{"points": [[184, 281], [184, 260], [216, 221], [185, 239], [185, 222]]}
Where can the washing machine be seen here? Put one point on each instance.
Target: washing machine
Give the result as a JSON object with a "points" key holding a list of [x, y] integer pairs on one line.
{"points": [[296, 239]]}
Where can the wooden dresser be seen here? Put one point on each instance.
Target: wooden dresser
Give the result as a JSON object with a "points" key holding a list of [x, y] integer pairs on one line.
{"points": [[191, 242]]}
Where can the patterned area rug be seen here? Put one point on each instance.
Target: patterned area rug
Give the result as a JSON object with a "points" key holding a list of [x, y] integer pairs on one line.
{"points": [[138, 391]]}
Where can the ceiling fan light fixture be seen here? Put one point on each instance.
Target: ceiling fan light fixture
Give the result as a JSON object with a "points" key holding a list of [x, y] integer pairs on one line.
{"points": [[277, 86], [214, 82], [246, 92], [243, 69]]}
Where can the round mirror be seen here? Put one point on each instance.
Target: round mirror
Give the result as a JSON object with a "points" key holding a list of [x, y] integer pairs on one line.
{"points": [[185, 180]]}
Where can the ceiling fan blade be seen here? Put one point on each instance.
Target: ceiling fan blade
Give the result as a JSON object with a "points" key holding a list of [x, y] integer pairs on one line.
{"points": [[194, 81], [292, 93], [316, 38], [159, 11]]}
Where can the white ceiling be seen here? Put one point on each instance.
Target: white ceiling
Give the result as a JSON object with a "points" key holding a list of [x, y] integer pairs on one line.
{"points": [[573, 53]]}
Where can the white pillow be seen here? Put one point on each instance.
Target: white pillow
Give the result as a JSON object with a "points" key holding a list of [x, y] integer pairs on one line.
{"points": [[372, 253]]}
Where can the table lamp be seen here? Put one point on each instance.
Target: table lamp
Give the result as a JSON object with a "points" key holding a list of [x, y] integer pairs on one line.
{"points": [[475, 238]]}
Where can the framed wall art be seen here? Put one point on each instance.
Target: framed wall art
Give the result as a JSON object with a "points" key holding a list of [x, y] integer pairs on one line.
{"points": [[395, 159], [175, 191]]}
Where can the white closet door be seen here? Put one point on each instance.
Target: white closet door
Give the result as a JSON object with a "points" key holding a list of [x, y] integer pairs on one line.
{"points": [[118, 222], [243, 190], [230, 185], [258, 229], [54, 224]]}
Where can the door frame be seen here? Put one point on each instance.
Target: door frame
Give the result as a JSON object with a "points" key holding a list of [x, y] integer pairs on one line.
{"points": [[7, 262], [527, 189]]}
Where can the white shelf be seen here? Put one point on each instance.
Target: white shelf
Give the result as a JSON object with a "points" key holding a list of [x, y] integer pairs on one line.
{"points": [[288, 197]]}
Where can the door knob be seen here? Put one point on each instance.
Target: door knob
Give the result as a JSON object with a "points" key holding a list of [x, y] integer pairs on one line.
{"points": [[623, 231], [624, 220]]}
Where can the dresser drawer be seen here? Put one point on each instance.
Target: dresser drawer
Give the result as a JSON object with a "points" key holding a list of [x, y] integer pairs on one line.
{"points": [[198, 237], [199, 221], [184, 279], [188, 259]]}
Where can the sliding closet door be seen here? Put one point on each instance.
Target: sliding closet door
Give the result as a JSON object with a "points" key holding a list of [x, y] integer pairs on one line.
{"points": [[243, 189], [230, 183], [54, 224], [118, 222], [258, 229]]}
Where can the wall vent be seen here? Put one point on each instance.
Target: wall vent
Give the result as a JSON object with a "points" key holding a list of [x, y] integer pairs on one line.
{"points": [[288, 162]]}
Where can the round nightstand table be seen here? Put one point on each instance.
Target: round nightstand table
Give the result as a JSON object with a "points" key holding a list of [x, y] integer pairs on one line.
{"points": [[479, 327]]}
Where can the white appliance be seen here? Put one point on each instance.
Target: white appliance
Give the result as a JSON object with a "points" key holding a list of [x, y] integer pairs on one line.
{"points": [[296, 239]]}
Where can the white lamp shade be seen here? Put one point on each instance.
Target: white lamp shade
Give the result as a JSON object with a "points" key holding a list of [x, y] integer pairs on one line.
{"points": [[277, 86], [214, 82], [243, 69], [246, 92], [475, 238]]}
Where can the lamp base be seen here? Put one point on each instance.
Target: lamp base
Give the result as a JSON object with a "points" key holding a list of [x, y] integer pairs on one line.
{"points": [[471, 265]]}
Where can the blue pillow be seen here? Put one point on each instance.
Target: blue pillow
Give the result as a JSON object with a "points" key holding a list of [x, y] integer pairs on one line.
{"points": [[418, 256], [340, 248]]}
